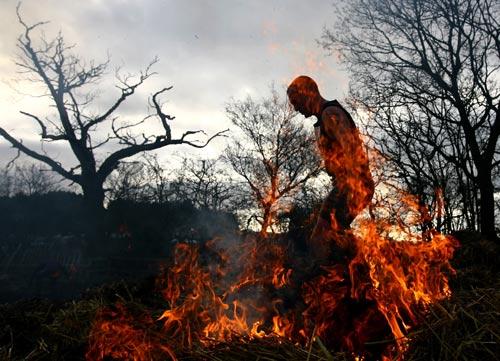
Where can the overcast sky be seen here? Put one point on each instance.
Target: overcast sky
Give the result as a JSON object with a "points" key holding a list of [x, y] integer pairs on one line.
{"points": [[209, 50]]}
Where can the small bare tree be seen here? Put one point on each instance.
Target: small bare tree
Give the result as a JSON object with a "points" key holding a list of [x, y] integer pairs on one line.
{"points": [[207, 184], [66, 79], [31, 179], [162, 185], [129, 181], [27, 179], [6, 182], [275, 156]]}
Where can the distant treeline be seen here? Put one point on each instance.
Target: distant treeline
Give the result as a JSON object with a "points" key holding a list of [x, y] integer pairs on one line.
{"points": [[147, 227]]}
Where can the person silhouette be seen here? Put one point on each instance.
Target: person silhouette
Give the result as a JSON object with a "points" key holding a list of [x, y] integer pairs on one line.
{"points": [[345, 160]]}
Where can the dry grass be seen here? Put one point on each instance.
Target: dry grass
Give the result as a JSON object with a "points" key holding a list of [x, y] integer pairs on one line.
{"points": [[465, 327]]}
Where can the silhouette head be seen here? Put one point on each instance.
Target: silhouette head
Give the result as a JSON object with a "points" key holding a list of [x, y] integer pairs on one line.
{"points": [[304, 96]]}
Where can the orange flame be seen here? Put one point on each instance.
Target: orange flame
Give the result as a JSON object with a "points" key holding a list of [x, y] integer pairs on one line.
{"points": [[116, 334], [379, 292]]}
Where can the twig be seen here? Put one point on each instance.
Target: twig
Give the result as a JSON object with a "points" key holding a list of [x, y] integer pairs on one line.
{"points": [[311, 343], [328, 355]]}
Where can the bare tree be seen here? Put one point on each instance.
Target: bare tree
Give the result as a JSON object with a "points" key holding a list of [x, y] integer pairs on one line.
{"points": [[275, 156], [6, 182], [162, 186], [66, 79], [428, 72], [27, 179], [30, 179], [129, 181], [207, 184], [423, 171]]}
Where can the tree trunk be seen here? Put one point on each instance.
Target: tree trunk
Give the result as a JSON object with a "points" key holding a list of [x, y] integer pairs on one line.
{"points": [[487, 203], [93, 196], [266, 222]]}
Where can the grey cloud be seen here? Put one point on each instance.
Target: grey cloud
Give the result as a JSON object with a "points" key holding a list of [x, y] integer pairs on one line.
{"points": [[209, 50]]}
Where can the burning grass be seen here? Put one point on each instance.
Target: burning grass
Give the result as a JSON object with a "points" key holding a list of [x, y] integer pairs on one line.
{"points": [[465, 326], [43, 330]]}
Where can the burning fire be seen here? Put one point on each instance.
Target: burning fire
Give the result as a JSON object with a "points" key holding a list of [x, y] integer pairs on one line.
{"points": [[364, 303], [381, 293]]}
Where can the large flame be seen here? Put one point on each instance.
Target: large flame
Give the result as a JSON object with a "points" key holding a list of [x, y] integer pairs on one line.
{"points": [[381, 293], [364, 303]]}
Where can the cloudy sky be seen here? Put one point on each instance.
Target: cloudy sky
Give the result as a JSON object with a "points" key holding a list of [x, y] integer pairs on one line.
{"points": [[209, 50]]}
